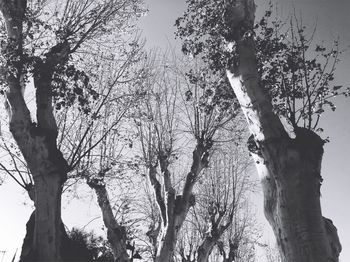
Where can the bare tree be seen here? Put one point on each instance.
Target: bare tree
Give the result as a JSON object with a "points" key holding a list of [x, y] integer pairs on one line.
{"points": [[162, 123], [95, 144], [220, 218]]}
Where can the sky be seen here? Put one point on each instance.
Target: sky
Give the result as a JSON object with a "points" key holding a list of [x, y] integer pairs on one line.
{"points": [[332, 21]]}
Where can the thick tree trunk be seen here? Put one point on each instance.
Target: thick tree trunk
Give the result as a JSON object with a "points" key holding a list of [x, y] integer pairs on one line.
{"points": [[47, 231], [49, 171], [177, 209], [167, 245], [289, 168], [205, 249], [168, 240], [29, 254], [116, 234], [37, 141], [292, 199]]}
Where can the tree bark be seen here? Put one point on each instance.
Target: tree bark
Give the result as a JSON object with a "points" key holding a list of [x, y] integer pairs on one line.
{"points": [[211, 239], [49, 170], [29, 254], [169, 230], [37, 141], [177, 210], [291, 188], [116, 234], [49, 176], [174, 208], [205, 249], [289, 168], [47, 231]]}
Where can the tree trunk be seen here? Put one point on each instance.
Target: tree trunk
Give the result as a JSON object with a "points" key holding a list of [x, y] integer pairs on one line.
{"points": [[166, 246], [46, 238], [177, 209], [47, 234], [116, 234], [174, 208], [205, 249], [292, 199], [49, 170], [29, 254], [211, 238], [37, 141], [169, 230], [289, 169]]}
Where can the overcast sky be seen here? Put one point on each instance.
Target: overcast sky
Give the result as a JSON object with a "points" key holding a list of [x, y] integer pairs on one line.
{"points": [[332, 18]]}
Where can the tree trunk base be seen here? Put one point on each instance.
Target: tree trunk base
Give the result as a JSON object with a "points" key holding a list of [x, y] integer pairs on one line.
{"points": [[29, 253]]}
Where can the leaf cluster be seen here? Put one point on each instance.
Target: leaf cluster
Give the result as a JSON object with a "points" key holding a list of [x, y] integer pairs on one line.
{"points": [[71, 85], [203, 31], [297, 73]]}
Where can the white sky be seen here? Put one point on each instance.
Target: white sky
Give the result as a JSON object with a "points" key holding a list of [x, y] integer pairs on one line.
{"points": [[333, 21]]}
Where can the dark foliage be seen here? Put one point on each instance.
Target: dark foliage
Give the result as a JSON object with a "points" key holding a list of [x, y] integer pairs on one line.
{"points": [[86, 247]]}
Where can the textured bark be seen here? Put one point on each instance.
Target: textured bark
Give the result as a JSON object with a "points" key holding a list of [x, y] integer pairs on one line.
{"points": [[116, 234], [47, 231], [49, 170], [289, 168], [28, 254], [169, 230], [205, 249], [37, 142], [292, 199], [177, 210]]}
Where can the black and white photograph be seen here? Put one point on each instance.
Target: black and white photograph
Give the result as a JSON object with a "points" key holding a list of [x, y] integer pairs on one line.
{"points": [[174, 130]]}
